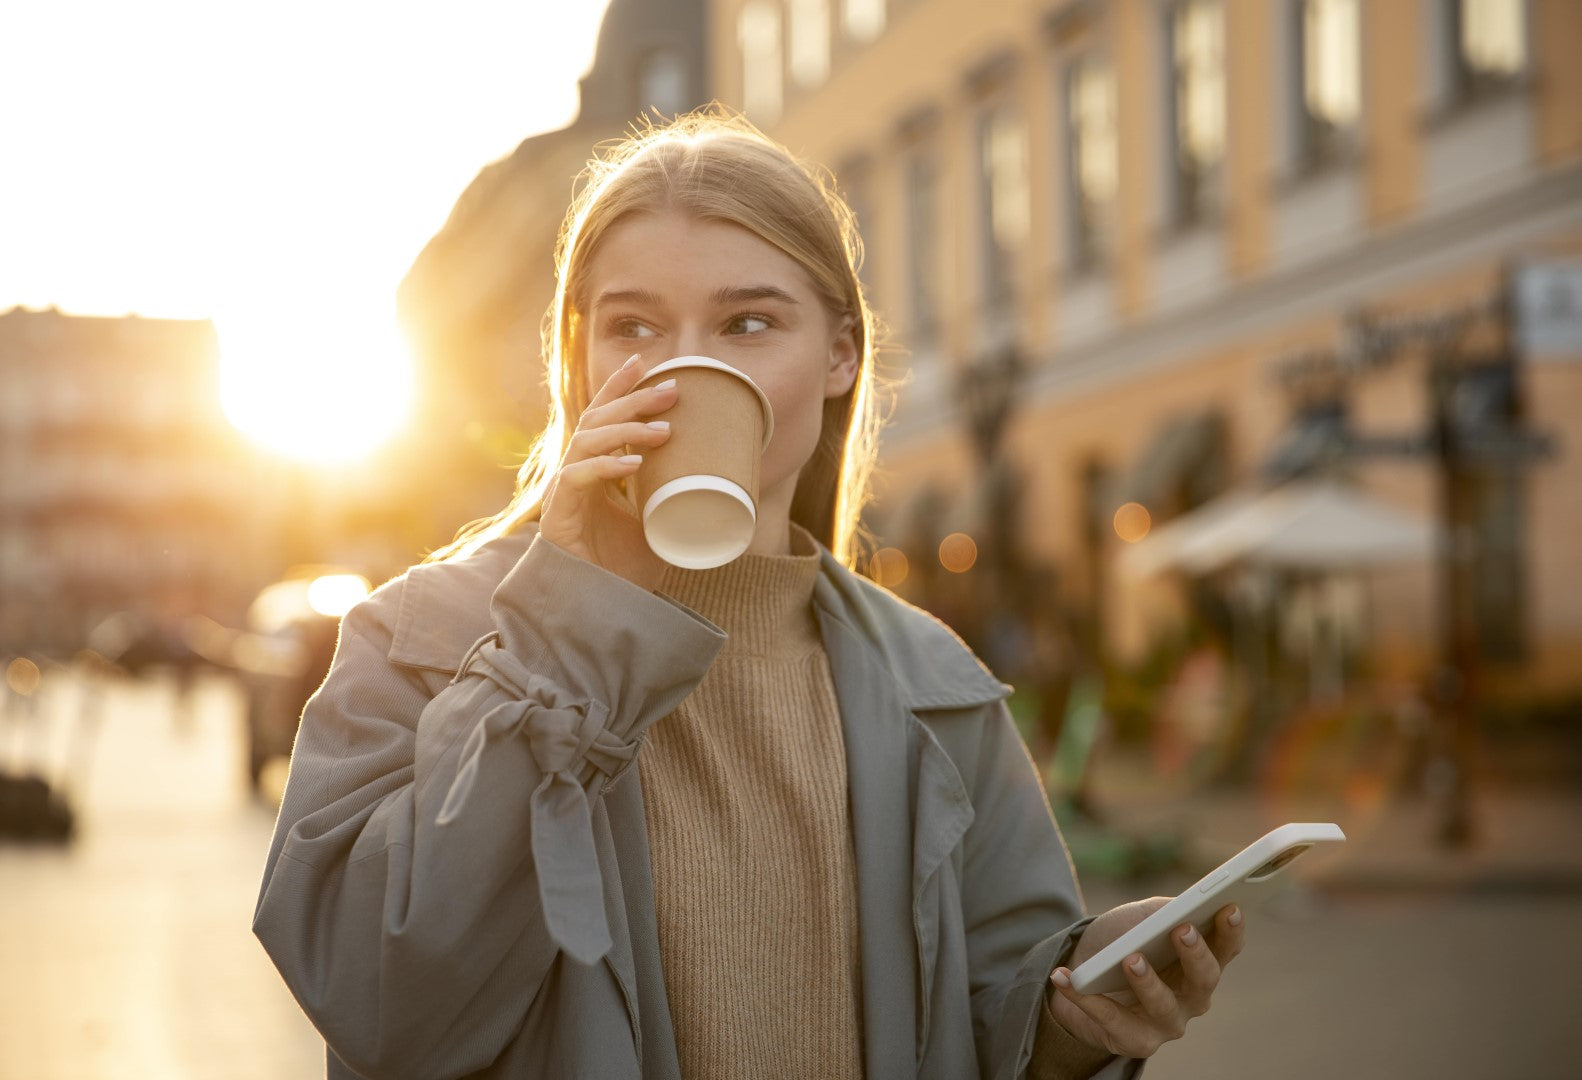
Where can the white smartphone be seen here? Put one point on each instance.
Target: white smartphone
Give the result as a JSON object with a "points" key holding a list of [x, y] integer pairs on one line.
{"points": [[1242, 880]]}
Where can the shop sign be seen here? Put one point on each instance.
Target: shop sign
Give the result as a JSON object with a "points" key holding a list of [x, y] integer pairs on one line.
{"points": [[1548, 297]]}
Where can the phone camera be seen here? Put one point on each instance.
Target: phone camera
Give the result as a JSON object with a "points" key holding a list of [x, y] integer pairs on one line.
{"points": [[1273, 866]]}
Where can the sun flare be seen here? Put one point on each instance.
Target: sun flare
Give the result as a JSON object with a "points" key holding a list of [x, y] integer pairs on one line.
{"points": [[328, 391]]}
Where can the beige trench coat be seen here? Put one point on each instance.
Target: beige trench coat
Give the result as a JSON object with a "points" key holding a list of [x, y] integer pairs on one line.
{"points": [[459, 879]]}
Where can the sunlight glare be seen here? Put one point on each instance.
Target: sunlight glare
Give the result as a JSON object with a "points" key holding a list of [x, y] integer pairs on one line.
{"points": [[326, 390], [336, 594]]}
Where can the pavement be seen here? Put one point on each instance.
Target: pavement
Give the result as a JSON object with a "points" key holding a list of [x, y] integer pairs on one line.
{"points": [[1389, 956], [129, 953]]}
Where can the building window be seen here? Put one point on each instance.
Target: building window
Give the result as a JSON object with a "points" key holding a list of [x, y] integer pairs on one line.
{"points": [[1093, 168], [1197, 51], [662, 83], [1491, 43], [758, 36], [862, 20], [922, 232], [1331, 72], [1002, 168], [809, 41]]}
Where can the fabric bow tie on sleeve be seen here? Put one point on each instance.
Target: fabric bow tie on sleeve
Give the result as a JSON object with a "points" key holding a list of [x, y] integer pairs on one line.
{"points": [[570, 743]]}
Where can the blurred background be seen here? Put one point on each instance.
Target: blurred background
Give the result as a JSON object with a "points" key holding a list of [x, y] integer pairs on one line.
{"points": [[1235, 358]]}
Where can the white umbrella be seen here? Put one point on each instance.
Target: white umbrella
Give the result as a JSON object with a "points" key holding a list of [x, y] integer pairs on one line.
{"points": [[1169, 545], [1307, 525]]}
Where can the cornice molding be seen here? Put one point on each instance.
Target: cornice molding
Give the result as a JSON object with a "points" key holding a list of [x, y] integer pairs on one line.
{"points": [[1495, 228]]}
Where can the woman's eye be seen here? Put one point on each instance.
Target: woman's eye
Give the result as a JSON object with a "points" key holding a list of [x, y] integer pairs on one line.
{"points": [[747, 324], [631, 328]]}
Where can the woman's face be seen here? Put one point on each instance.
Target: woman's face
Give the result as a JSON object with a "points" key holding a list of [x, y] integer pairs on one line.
{"points": [[670, 284]]}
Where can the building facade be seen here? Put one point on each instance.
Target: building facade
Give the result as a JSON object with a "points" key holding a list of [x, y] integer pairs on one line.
{"points": [[1168, 249], [123, 489]]}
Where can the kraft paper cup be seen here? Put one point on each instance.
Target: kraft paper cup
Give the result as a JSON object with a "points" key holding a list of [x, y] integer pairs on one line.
{"points": [[698, 493]]}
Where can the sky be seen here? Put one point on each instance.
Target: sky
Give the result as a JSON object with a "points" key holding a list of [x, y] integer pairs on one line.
{"points": [[275, 167]]}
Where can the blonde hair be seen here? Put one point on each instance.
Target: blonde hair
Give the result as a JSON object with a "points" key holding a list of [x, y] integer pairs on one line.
{"points": [[716, 165]]}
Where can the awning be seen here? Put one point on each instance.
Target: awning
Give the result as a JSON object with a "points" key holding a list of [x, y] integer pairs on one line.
{"points": [[1188, 452], [1306, 525], [1315, 439]]}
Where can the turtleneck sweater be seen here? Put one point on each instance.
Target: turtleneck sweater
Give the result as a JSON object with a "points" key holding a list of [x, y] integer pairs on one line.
{"points": [[744, 792]]}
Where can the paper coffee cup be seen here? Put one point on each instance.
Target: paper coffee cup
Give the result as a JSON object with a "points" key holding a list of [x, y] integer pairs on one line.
{"points": [[698, 492]]}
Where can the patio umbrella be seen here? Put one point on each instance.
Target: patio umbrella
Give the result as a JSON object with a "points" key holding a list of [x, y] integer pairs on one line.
{"points": [[1305, 525]]}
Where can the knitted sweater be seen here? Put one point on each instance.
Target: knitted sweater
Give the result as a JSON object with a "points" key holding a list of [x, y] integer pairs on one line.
{"points": [[744, 790]]}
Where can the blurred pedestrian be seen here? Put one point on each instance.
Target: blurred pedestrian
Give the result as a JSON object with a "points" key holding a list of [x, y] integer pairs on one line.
{"points": [[561, 809]]}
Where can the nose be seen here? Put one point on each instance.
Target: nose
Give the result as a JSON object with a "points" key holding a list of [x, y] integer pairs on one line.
{"points": [[691, 341]]}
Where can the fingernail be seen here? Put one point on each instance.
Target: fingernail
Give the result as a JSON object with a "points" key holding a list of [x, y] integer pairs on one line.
{"points": [[1234, 918], [1061, 978], [659, 425], [632, 459], [630, 361], [666, 385], [1138, 965], [1190, 937]]}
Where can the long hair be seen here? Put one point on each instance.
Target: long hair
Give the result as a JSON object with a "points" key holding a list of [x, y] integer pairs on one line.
{"points": [[716, 165]]}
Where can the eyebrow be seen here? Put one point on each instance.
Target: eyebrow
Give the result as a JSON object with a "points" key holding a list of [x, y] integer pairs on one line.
{"points": [[752, 292], [631, 296], [727, 295]]}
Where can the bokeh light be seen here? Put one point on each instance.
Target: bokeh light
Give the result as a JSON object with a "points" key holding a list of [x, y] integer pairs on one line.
{"points": [[1132, 522], [22, 676], [889, 567], [958, 552]]}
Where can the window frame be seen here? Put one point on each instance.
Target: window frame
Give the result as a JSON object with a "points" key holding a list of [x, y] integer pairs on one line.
{"points": [[1470, 83], [1087, 247], [763, 67], [1452, 88], [1320, 144], [923, 260], [998, 264], [862, 33], [1195, 197], [807, 24]]}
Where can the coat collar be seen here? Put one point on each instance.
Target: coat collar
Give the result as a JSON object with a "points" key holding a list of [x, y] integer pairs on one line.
{"points": [[444, 610], [444, 606]]}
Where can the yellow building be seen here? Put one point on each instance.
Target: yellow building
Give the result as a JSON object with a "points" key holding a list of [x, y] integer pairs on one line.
{"points": [[1220, 243]]}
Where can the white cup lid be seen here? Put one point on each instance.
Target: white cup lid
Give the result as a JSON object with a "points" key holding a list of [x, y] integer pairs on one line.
{"points": [[699, 522], [720, 365]]}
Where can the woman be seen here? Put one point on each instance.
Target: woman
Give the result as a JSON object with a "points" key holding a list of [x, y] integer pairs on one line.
{"points": [[832, 857]]}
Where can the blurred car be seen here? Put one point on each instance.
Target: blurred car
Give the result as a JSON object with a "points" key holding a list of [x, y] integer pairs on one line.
{"points": [[285, 652]]}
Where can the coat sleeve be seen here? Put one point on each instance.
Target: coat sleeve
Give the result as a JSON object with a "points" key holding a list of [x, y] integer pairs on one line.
{"points": [[1022, 906], [434, 853]]}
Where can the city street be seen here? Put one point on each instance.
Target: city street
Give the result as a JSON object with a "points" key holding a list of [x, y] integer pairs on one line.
{"points": [[129, 954], [1389, 986]]}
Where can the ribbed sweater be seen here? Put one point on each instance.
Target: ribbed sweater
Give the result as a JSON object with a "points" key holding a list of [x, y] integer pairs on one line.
{"points": [[744, 791]]}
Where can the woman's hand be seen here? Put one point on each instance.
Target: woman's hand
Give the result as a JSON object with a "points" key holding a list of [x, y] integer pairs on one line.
{"points": [[579, 515], [1158, 1008]]}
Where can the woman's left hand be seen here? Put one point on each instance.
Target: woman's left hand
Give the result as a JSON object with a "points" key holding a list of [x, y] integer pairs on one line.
{"points": [[1159, 1006]]}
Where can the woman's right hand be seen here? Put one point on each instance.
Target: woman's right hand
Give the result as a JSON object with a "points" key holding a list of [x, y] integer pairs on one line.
{"points": [[1159, 1005], [579, 515]]}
